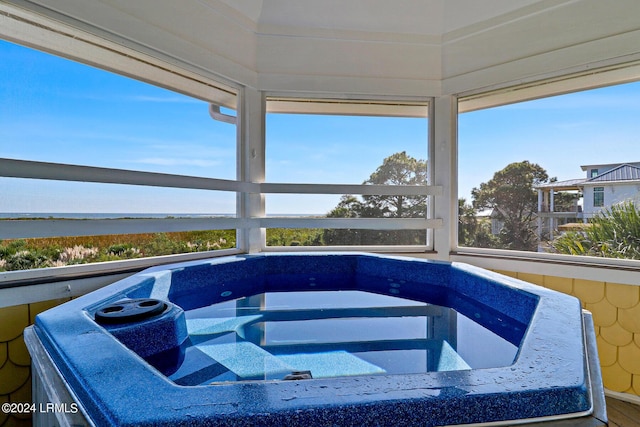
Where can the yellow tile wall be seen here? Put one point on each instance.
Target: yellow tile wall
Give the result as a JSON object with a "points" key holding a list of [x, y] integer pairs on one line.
{"points": [[15, 369], [616, 316]]}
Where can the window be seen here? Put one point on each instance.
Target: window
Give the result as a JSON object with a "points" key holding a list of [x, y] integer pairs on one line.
{"points": [[523, 166], [56, 110], [339, 148], [598, 197], [135, 170]]}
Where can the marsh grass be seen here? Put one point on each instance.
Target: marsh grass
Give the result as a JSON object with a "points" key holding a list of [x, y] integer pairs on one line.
{"points": [[24, 254]]}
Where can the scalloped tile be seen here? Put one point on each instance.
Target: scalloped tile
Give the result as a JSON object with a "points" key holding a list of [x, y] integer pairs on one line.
{"points": [[629, 318], [622, 296], [560, 284], [23, 394], [636, 384], [4, 353], [616, 335], [13, 320], [13, 377], [604, 313], [629, 358], [536, 279], [607, 353], [18, 352], [507, 273], [3, 416], [615, 378], [14, 421], [588, 291], [636, 339], [39, 307]]}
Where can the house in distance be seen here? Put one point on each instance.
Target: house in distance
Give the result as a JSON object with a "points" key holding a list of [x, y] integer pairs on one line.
{"points": [[605, 185]]}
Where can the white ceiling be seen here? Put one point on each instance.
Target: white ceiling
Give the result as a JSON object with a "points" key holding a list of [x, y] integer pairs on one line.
{"points": [[423, 17], [409, 48]]}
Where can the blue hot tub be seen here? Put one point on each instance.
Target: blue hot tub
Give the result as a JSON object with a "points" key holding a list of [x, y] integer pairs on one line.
{"points": [[321, 339]]}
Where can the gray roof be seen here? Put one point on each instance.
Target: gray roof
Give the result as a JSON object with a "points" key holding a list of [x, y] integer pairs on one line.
{"points": [[569, 184], [607, 165], [624, 172]]}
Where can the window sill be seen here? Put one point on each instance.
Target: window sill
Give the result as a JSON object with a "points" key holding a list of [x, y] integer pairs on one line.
{"points": [[623, 271]]}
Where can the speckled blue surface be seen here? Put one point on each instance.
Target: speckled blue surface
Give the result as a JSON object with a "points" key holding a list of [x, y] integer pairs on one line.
{"points": [[117, 386]]}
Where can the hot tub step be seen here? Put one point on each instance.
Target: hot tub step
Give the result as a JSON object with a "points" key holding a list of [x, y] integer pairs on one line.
{"points": [[249, 361], [220, 325], [450, 360], [331, 364]]}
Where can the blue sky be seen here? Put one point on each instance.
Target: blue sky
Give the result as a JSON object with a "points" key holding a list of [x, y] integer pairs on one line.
{"points": [[560, 134], [56, 110]]}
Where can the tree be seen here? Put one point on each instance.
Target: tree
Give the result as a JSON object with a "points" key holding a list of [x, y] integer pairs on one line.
{"points": [[511, 195], [613, 233], [467, 223], [473, 231], [397, 169]]}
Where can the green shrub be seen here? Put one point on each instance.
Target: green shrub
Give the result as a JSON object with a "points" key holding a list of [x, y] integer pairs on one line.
{"points": [[12, 247], [614, 233], [162, 244], [118, 249], [294, 236], [25, 260]]}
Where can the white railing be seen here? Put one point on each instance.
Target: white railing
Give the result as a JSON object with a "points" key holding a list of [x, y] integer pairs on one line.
{"points": [[11, 229], [64, 172], [51, 227]]}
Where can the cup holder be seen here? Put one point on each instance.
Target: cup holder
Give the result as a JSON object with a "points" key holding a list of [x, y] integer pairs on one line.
{"points": [[128, 311]]}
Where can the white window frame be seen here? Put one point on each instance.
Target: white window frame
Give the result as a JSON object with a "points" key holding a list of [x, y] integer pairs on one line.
{"points": [[29, 29], [600, 192], [589, 77], [354, 105]]}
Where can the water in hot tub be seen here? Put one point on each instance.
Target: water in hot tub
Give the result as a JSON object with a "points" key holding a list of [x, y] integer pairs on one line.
{"points": [[300, 335]]}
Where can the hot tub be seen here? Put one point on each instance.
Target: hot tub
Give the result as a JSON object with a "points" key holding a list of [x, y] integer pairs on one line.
{"points": [[319, 339]]}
